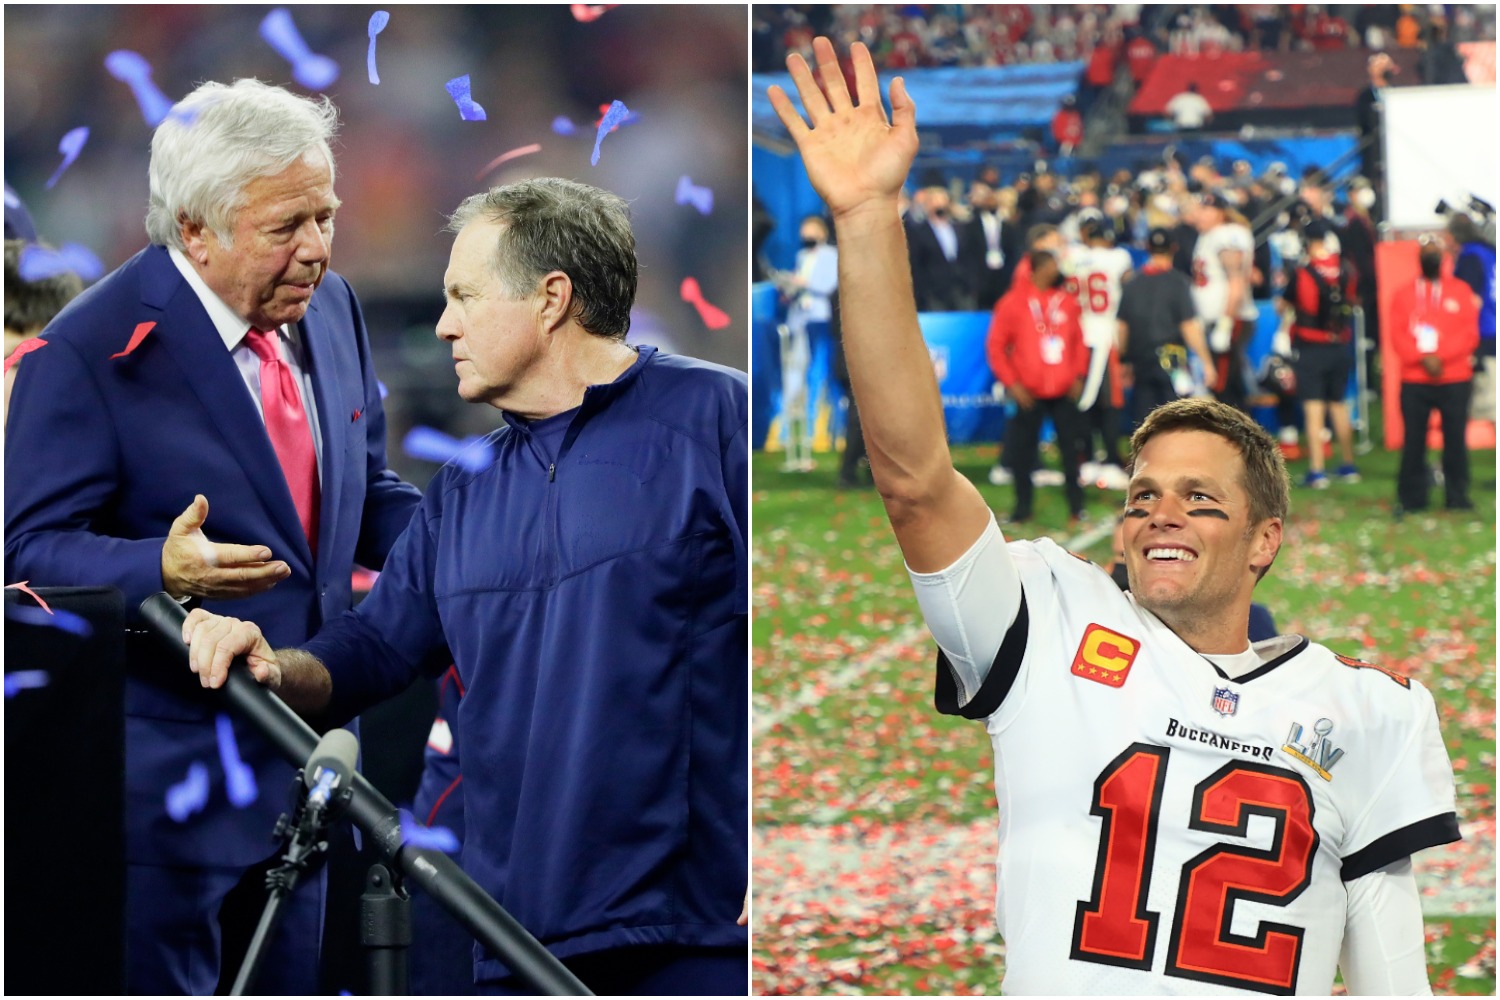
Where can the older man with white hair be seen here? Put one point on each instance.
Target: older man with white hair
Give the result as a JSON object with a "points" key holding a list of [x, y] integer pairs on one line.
{"points": [[224, 361]]}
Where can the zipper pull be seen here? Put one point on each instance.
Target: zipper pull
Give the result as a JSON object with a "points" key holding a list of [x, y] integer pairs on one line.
{"points": [[552, 472]]}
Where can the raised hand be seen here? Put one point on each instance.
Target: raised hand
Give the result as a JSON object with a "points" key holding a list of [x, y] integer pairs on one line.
{"points": [[192, 566], [856, 159]]}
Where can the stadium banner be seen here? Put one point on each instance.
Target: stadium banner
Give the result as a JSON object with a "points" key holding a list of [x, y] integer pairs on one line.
{"points": [[1396, 267], [955, 343]]}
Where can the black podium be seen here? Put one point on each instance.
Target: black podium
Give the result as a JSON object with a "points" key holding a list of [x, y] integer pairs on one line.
{"points": [[64, 796]]}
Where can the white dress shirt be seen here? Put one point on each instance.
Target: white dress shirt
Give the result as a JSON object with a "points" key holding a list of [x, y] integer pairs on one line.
{"points": [[232, 329]]}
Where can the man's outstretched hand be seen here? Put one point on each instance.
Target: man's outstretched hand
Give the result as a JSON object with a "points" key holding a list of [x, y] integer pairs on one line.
{"points": [[856, 159]]}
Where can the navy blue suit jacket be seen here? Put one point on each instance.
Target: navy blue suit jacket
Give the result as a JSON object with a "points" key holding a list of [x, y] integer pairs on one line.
{"points": [[102, 453]]}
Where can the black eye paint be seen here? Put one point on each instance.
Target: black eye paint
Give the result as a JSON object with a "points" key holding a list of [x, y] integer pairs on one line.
{"points": [[1135, 512], [1208, 512]]}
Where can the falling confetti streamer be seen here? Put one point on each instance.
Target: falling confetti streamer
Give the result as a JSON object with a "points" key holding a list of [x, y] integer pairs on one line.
{"points": [[471, 453], [535, 147], [132, 69], [458, 89], [613, 117], [713, 317], [312, 71], [238, 777], [24, 680], [70, 146], [190, 795], [378, 21], [689, 193], [39, 263], [437, 838], [57, 618], [590, 11]]}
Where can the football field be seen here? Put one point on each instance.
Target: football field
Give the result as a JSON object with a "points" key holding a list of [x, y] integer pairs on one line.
{"points": [[874, 845]]}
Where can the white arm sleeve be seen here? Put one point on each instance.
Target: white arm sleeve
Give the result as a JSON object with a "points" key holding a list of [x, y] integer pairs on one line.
{"points": [[1384, 952], [970, 606]]}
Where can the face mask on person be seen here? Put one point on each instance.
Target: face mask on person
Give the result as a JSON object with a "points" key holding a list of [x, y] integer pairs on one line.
{"points": [[1364, 198], [940, 214], [1432, 265], [808, 242]]}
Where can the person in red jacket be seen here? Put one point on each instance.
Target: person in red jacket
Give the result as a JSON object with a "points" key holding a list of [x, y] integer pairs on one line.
{"points": [[1434, 332], [1067, 126], [1035, 348]]}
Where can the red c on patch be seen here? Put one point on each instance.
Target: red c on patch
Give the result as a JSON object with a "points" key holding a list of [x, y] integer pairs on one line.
{"points": [[1104, 656]]}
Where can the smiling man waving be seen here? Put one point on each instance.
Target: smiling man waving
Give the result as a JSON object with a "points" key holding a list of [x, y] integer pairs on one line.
{"points": [[1182, 811]]}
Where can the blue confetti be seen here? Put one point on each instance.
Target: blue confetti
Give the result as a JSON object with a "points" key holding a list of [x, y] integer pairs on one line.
{"points": [[313, 71], [378, 21], [563, 125], [384, 392], [24, 680], [70, 146], [132, 69], [472, 453], [38, 263], [65, 621], [616, 114], [458, 89], [689, 193], [189, 796], [437, 838], [239, 779], [12, 200]]}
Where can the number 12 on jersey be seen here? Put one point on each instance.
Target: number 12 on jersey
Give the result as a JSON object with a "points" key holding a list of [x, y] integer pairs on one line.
{"points": [[1114, 927]]}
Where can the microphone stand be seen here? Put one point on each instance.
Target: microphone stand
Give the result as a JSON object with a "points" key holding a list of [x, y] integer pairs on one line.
{"points": [[305, 833], [433, 871]]}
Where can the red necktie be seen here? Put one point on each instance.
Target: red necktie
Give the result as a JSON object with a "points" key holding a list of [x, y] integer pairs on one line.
{"points": [[286, 423]]}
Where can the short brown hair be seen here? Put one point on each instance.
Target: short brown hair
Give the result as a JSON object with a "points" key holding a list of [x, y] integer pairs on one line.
{"points": [[1264, 478]]}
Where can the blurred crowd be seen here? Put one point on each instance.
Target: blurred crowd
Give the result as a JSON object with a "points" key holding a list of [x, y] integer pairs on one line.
{"points": [[903, 36]]}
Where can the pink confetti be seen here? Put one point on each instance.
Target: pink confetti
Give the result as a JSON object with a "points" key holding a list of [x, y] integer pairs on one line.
{"points": [[590, 11], [141, 329], [535, 147], [30, 593], [34, 344], [713, 317]]}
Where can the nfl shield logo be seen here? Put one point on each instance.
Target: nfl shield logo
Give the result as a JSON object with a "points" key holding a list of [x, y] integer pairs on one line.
{"points": [[1225, 701]]}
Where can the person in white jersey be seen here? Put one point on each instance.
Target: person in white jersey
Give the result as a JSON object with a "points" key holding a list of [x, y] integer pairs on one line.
{"points": [[1180, 811], [1099, 270], [1222, 258]]}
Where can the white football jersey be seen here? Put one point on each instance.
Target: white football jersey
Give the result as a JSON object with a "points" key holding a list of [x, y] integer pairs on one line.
{"points": [[1211, 280], [1099, 272], [1167, 830]]}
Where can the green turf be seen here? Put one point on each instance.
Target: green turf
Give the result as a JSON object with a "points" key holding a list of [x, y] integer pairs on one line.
{"points": [[1416, 596]]}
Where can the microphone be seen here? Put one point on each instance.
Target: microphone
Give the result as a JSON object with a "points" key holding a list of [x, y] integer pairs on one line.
{"points": [[330, 765]]}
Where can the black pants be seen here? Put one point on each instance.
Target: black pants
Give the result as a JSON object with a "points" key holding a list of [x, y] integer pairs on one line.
{"points": [[1151, 389], [1027, 439], [1101, 419], [1451, 401]]}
